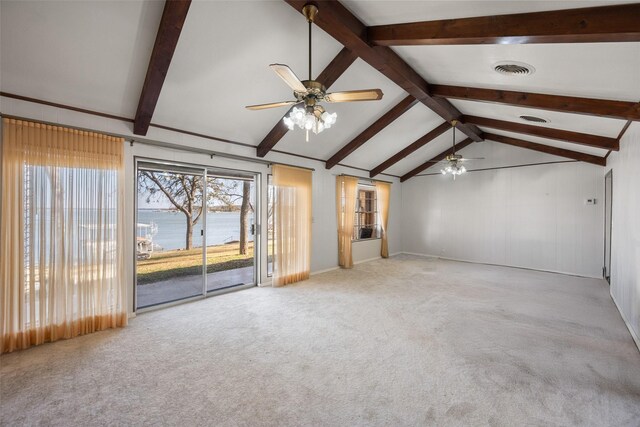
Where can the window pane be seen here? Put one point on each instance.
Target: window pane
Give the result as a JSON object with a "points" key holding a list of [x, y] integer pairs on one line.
{"points": [[366, 215]]}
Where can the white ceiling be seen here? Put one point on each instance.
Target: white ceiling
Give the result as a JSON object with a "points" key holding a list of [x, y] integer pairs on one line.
{"points": [[91, 55], [403, 131], [94, 55], [593, 70], [222, 62], [565, 121]]}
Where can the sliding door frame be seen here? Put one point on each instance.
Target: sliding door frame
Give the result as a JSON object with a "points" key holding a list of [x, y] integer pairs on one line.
{"points": [[257, 236], [608, 225]]}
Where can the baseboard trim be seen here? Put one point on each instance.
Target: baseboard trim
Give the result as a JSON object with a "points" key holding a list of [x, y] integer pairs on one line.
{"points": [[326, 270], [624, 319], [501, 265], [362, 261], [419, 254]]}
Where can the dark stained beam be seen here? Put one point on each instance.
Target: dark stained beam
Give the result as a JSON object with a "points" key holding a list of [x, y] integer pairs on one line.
{"points": [[546, 132], [624, 129], [431, 162], [617, 23], [575, 155], [327, 77], [420, 142], [346, 28], [336, 67], [274, 135], [384, 121], [567, 104], [173, 17]]}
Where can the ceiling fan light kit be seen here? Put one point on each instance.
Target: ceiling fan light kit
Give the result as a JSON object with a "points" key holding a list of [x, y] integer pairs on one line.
{"points": [[314, 119], [454, 170], [312, 116], [454, 162]]}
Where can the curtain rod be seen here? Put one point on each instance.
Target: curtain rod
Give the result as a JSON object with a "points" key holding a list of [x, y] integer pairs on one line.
{"points": [[145, 141], [365, 179], [212, 153]]}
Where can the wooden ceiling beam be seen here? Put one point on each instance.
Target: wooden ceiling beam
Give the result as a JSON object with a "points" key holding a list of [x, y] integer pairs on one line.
{"points": [[327, 77], [616, 23], [399, 109], [566, 104], [346, 28], [171, 23], [419, 143], [597, 141], [426, 165], [570, 154]]}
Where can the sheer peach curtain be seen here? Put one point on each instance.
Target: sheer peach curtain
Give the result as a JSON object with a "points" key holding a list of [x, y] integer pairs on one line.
{"points": [[346, 192], [61, 268], [292, 224], [383, 192]]}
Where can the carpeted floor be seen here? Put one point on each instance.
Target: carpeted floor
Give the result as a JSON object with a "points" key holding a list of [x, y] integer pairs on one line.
{"points": [[404, 341]]}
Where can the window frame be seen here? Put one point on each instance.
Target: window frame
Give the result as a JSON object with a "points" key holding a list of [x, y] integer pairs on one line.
{"points": [[358, 225]]}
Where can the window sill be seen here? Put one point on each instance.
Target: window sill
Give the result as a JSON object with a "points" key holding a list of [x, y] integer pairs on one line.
{"points": [[366, 240]]}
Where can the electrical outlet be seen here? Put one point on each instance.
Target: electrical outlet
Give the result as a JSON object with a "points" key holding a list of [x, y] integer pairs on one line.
{"points": [[590, 201]]}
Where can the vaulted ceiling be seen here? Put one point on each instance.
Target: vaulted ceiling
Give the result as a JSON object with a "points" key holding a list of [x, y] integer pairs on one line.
{"points": [[95, 56]]}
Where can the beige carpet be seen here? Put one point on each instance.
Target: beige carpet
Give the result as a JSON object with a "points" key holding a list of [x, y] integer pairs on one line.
{"points": [[404, 341]]}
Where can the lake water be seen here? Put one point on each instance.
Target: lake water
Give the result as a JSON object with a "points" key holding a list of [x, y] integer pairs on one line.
{"points": [[222, 227]]}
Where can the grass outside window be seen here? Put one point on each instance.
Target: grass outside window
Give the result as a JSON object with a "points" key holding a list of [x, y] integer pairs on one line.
{"points": [[170, 264]]}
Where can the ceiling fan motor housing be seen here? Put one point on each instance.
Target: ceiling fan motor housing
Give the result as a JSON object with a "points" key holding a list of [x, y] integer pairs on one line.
{"points": [[315, 92]]}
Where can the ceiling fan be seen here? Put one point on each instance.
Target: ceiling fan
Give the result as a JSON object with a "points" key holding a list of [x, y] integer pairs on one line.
{"points": [[454, 163], [308, 114]]}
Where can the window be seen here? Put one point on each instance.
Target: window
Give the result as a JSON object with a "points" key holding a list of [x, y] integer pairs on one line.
{"points": [[62, 238], [366, 222]]}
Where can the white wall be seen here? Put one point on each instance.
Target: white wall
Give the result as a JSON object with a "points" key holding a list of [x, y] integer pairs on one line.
{"points": [[625, 227], [324, 254], [532, 217], [324, 251]]}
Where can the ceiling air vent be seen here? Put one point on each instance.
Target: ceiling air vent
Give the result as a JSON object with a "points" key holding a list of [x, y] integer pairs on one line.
{"points": [[511, 68], [534, 119]]}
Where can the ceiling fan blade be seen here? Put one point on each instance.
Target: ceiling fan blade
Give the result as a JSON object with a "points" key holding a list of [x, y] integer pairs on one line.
{"points": [[472, 158], [289, 77], [354, 95], [271, 105]]}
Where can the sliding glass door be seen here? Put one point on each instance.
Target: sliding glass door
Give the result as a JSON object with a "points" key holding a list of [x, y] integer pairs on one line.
{"points": [[169, 239], [230, 231], [194, 232]]}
